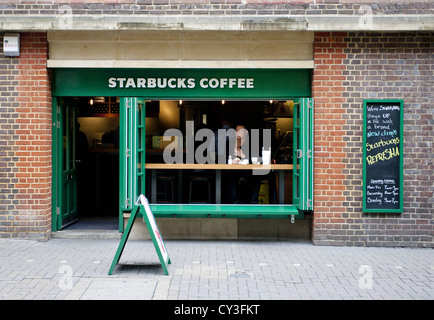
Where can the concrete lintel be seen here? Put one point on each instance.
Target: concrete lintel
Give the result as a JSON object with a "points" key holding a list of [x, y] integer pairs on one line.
{"points": [[370, 23], [224, 23], [220, 64]]}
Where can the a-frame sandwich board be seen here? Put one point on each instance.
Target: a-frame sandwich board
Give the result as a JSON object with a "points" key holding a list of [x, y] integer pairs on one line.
{"points": [[142, 205]]}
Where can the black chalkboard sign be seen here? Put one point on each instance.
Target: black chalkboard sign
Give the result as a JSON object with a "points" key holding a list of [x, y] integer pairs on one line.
{"points": [[382, 156]]}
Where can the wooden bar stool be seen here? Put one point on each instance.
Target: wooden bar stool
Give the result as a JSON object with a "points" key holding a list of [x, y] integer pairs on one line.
{"points": [[167, 192], [197, 181]]}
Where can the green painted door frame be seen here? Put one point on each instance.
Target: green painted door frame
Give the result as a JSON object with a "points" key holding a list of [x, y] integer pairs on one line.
{"points": [[64, 165]]}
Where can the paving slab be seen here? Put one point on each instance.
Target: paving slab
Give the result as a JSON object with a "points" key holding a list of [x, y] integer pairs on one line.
{"points": [[77, 269]]}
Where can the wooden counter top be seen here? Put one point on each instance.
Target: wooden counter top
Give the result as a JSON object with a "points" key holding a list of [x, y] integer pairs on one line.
{"points": [[194, 166]]}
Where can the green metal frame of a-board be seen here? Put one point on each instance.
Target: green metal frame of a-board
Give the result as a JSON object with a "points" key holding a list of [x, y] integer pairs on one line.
{"points": [[134, 214]]}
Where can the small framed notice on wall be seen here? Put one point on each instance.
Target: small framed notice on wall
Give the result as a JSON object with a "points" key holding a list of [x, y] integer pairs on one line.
{"points": [[383, 156]]}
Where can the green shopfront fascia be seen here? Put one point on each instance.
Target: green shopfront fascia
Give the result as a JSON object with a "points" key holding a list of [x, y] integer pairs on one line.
{"points": [[134, 87]]}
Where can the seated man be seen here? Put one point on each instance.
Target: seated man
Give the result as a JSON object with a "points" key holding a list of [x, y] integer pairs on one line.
{"points": [[252, 182]]}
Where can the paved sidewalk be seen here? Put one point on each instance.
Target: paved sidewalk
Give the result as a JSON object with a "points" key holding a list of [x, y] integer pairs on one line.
{"points": [[216, 270]]}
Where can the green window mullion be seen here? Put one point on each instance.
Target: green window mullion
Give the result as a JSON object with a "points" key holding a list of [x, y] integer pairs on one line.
{"points": [[296, 161], [307, 131], [133, 149], [311, 151], [303, 155], [141, 148], [125, 154]]}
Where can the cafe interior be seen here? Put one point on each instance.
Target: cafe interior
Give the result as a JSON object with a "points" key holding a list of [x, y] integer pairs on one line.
{"points": [[98, 152]]}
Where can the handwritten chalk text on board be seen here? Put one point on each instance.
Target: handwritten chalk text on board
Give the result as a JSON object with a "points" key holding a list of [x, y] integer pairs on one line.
{"points": [[382, 152], [383, 156]]}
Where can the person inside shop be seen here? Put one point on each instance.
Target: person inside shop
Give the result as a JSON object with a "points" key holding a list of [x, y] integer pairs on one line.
{"points": [[242, 136], [82, 146], [242, 182], [82, 165]]}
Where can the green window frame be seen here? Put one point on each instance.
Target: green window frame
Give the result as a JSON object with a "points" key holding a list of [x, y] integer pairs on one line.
{"points": [[132, 151], [303, 155], [132, 160]]}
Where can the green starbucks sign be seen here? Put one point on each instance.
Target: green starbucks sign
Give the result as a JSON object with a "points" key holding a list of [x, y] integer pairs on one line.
{"points": [[184, 83]]}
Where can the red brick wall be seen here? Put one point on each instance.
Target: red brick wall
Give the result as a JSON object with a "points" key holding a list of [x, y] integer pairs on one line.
{"points": [[25, 140], [329, 142], [350, 67]]}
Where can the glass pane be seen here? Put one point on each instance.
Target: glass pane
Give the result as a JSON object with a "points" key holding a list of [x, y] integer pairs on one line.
{"points": [[205, 133]]}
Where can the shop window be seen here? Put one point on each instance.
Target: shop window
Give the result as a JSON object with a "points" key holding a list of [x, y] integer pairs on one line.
{"points": [[195, 124]]}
